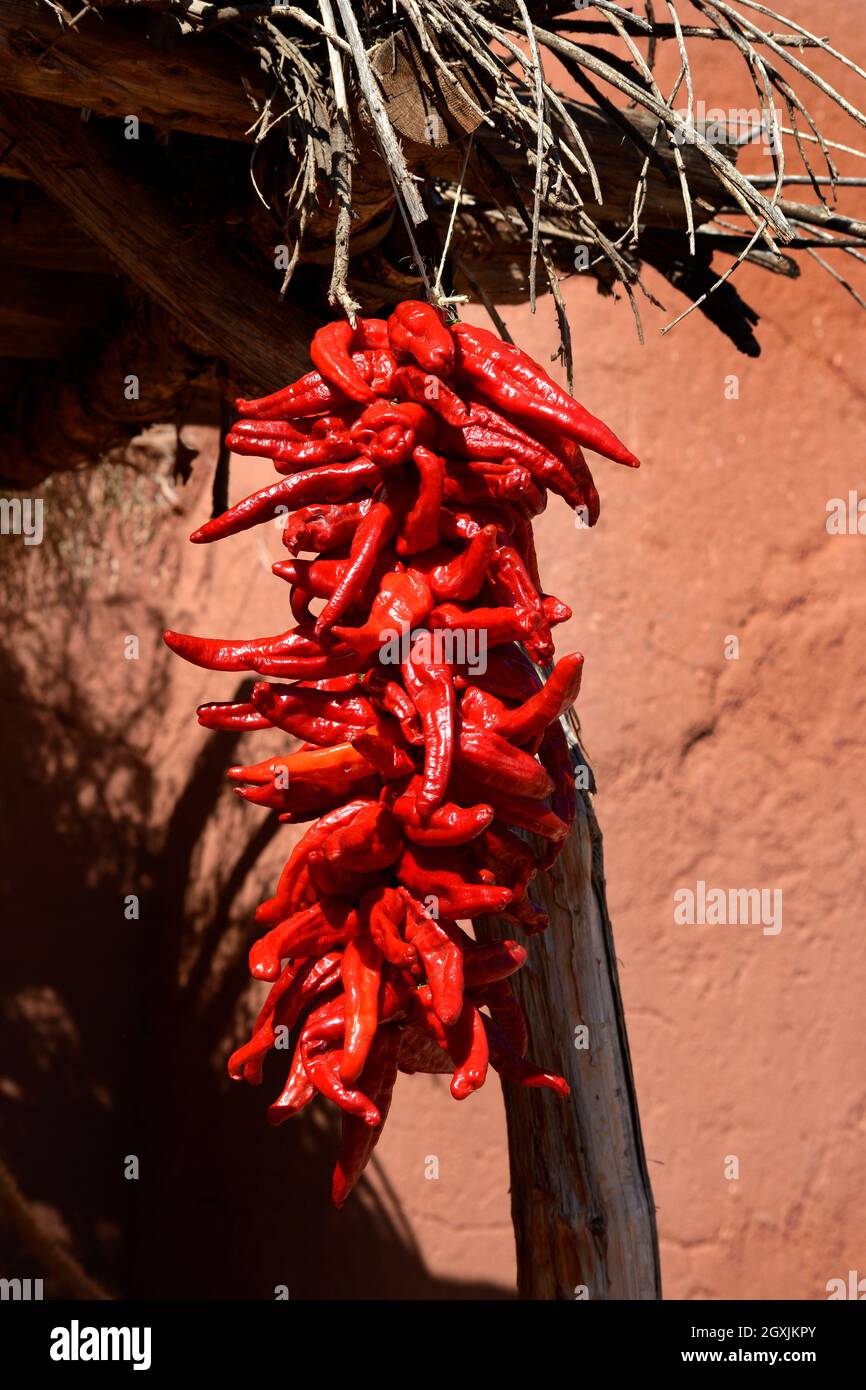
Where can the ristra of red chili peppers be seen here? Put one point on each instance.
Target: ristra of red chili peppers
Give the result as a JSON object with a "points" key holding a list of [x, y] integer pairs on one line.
{"points": [[413, 460]]}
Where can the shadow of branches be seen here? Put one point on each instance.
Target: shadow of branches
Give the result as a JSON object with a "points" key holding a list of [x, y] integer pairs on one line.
{"points": [[115, 1028]]}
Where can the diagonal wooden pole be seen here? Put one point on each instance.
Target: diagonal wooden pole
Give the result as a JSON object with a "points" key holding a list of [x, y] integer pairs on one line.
{"points": [[581, 1200]]}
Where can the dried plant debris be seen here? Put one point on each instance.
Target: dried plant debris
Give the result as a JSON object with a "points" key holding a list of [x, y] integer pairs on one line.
{"points": [[457, 102]]}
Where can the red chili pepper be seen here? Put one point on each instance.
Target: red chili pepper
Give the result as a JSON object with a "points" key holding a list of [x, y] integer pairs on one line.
{"points": [[436, 944], [443, 877], [416, 330], [359, 1139], [425, 388], [430, 687], [454, 577], [336, 483], [315, 931], [420, 527], [384, 911], [517, 385], [362, 976], [331, 350], [373, 532], [417, 458], [388, 434], [402, 603], [324, 527]]}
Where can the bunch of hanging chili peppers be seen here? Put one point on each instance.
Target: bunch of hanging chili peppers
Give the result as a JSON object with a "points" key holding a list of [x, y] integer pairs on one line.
{"points": [[413, 460]]}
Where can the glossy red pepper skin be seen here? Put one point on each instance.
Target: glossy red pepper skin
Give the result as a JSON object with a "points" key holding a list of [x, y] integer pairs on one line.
{"points": [[331, 350], [417, 331], [518, 386], [415, 458]]}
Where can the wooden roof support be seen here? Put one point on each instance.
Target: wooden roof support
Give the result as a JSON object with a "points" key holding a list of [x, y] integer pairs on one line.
{"points": [[223, 308]]}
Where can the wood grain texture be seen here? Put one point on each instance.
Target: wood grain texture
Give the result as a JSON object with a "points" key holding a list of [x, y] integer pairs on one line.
{"points": [[581, 1199], [110, 67], [224, 309], [107, 64]]}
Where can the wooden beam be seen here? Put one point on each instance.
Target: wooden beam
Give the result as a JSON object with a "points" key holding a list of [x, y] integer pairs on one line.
{"points": [[581, 1200], [79, 410], [223, 307], [107, 64], [38, 235], [46, 314]]}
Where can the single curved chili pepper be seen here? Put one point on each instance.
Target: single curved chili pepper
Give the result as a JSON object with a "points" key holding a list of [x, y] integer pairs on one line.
{"points": [[309, 395], [442, 957], [231, 714], [313, 765], [547, 705], [494, 761], [382, 748], [519, 811], [362, 976], [335, 483], [420, 524], [457, 578], [393, 699], [275, 429], [425, 388], [402, 603], [324, 527], [435, 873], [315, 931], [447, 824], [226, 654], [465, 1041], [431, 690], [499, 625], [511, 583], [331, 350], [510, 1064], [359, 1139], [512, 381], [297, 1092], [479, 707], [313, 715], [416, 330], [372, 534], [388, 433], [384, 911], [322, 1065], [291, 455]]}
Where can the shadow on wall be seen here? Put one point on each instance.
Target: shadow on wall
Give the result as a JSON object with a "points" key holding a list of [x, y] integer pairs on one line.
{"points": [[113, 1047]]}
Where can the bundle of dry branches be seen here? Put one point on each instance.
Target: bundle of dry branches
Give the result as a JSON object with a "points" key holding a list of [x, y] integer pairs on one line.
{"points": [[452, 148], [481, 67]]}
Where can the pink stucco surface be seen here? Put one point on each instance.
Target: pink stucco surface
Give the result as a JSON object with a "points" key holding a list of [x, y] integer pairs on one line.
{"points": [[739, 771]]}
